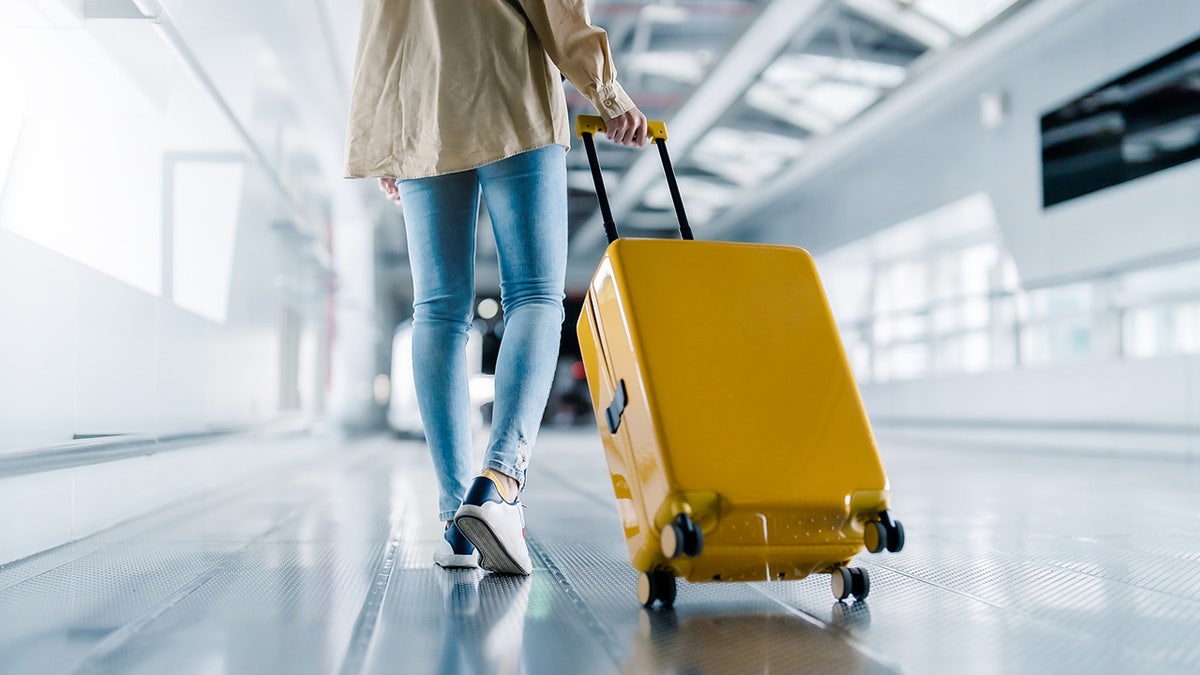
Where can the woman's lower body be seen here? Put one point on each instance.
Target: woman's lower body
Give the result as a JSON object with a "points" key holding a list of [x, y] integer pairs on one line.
{"points": [[526, 199]]}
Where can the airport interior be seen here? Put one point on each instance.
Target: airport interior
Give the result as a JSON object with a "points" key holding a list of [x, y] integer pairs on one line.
{"points": [[211, 454]]}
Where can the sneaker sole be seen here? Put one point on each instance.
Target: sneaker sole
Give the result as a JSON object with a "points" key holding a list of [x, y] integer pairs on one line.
{"points": [[493, 556], [458, 562]]}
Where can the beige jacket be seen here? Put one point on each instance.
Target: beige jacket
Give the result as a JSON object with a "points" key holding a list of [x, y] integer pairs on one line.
{"points": [[448, 85]]}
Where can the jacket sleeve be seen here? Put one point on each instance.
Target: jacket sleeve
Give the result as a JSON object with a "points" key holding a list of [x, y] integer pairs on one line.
{"points": [[580, 50]]}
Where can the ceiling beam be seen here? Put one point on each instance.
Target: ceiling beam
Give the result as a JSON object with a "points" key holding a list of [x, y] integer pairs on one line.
{"points": [[780, 24]]}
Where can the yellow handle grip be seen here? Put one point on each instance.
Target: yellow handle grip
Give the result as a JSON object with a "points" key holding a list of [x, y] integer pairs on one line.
{"points": [[594, 124]]}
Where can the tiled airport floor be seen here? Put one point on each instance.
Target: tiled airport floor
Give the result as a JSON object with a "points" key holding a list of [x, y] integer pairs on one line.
{"points": [[1015, 563]]}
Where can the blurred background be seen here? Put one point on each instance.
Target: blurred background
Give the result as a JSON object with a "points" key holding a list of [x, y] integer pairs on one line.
{"points": [[1000, 196]]}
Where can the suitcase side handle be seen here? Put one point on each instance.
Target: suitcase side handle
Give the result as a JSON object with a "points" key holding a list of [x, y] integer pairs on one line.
{"points": [[617, 409], [586, 127]]}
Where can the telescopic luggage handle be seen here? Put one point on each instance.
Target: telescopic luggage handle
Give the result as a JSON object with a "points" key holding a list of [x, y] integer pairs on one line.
{"points": [[586, 127]]}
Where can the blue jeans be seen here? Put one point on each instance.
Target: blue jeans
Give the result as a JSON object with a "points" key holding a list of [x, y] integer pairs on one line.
{"points": [[526, 197]]}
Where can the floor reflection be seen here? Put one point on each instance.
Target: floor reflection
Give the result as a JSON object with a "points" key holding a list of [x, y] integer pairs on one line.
{"points": [[851, 617], [691, 641], [485, 628]]}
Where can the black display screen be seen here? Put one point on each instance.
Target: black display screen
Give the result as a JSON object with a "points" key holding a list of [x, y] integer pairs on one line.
{"points": [[1144, 121]]}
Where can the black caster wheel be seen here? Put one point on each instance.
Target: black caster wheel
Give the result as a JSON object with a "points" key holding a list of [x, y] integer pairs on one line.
{"points": [[682, 537], [842, 582], [895, 542], [693, 536], [875, 536], [658, 586], [860, 583], [895, 532]]}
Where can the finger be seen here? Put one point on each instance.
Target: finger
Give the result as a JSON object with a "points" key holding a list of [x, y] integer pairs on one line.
{"points": [[626, 134]]}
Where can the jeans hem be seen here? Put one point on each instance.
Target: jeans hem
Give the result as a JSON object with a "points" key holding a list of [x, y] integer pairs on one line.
{"points": [[507, 470]]}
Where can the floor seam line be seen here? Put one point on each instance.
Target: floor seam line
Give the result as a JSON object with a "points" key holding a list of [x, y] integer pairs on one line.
{"points": [[943, 587], [590, 620], [363, 633], [368, 616]]}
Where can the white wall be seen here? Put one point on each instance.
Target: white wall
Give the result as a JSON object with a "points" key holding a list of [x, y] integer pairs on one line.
{"points": [[1150, 407], [82, 353]]}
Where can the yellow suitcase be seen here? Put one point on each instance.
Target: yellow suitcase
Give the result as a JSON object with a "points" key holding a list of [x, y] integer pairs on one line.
{"points": [[737, 442]]}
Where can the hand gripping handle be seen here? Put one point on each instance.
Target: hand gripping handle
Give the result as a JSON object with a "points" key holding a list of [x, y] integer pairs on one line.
{"points": [[586, 127]]}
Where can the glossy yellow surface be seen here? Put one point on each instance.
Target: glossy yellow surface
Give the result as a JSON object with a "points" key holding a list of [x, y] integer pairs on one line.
{"points": [[742, 408], [594, 124]]}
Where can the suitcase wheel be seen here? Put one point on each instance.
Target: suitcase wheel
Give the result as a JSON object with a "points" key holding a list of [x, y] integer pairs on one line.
{"points": [[875, 536], [884, 533], [847, 581], [656, 585], [860, 585], [895, 542], [895, 533], [682, 537]]}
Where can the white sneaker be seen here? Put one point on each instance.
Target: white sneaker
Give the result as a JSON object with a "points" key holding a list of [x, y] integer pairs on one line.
{"points": [[455, 550], [496, 527]]}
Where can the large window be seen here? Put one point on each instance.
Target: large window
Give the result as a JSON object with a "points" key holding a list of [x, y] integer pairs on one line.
{"points": [[938, 295], [932, 295]]}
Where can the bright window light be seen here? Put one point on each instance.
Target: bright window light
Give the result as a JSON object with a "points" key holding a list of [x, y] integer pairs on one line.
{"points": [[20, 14], [14, 82], [819, 93], [962, 16], [1178, 278], [11, 119], [896, 15], [809, 68], [207, 199], [687, 67], [84, 176], [745, 158], [770, 101], [846, 274], [918, 296], [791, 73], [840, 101], [704, 198]]}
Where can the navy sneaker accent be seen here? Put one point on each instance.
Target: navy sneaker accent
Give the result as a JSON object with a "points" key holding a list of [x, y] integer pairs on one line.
{"points": [[456, 550], [496, 527]]}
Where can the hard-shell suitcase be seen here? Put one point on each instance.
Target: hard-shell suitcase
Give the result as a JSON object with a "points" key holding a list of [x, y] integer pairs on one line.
{"points": [[735, 436]]}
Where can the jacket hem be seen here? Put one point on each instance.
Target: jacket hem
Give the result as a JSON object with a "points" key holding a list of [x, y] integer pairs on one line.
{"points": [[471, 167]]}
